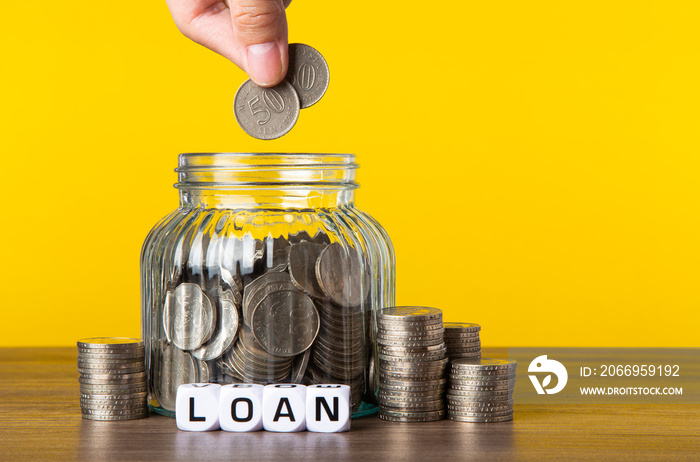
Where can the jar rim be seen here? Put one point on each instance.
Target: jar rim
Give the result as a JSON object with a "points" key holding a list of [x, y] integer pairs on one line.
{"points": [[191, 161], [244, 170]]}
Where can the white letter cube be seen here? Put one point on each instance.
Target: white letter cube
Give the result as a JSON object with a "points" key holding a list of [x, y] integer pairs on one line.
{"points": [[284, 407], [197, 407], [328, 408], [241, 407]]}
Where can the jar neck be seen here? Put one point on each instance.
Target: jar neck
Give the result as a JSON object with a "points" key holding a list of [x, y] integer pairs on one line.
{"points": [[266, 181]]}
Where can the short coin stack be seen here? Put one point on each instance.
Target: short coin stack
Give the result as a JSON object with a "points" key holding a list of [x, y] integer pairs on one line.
{"points": [[481, 390], [112, 378], [412, 364], [462, 340]]}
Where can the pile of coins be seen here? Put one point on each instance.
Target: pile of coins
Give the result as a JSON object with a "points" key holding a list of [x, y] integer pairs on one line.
{"points": [[412, 363], [286, 309], [462, 340], [112, 378], [269, 113], [481, 390]]}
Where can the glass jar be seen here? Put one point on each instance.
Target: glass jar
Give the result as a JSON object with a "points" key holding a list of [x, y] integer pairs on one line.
{"points": [[266, 273]]}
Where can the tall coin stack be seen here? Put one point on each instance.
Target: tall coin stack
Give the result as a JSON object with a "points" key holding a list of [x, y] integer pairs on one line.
{"points": [[412, 364], [481, 390], [462, 340], [112, 378]]}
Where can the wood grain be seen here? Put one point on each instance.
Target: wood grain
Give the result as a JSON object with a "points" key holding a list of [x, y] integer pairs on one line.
{"points": [[40, 420]]}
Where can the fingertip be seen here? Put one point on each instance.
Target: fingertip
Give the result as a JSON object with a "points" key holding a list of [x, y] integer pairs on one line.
{"points": [[267, 63]]}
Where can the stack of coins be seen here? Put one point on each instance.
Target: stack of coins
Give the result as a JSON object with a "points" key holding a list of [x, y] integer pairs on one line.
{"points": [[112, 378], [412, 364], [462, 340], [481, 390]]}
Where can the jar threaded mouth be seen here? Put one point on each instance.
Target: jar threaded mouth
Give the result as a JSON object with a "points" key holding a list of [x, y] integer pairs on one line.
{"points": [[263, 170]]}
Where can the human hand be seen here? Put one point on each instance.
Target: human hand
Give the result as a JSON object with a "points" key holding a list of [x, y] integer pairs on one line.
{"points": [[251, 33]]}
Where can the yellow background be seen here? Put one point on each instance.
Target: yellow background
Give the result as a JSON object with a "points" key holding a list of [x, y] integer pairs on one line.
{"points": [[536, 163]]}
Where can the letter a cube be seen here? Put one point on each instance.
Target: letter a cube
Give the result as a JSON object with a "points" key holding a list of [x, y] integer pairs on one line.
{"points": [[328, 408], [197, 407], [240, 407], [284, 408]]}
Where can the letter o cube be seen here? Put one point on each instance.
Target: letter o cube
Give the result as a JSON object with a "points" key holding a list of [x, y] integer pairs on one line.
{"points": [[328, 408], [197, 407], [284, 408], [241, 407]]}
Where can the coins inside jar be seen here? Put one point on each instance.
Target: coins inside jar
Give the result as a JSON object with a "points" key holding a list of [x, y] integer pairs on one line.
{"points": [[271, 321]]}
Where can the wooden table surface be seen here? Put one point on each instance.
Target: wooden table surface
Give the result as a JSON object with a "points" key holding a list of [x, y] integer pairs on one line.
{"points": [[40, 420]]}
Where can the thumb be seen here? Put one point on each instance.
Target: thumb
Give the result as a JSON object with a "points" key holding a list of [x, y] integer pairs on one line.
{"points": [[260, 30]]}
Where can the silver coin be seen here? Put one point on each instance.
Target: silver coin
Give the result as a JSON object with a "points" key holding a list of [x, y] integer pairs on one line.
{"points": [[113, 355], [112, 412], [412, 407], [410, 387], [461, 327], [486, 364], [226, 332], [110, 343], [406, 376], [110, 357], [115, 398], [299, 366], [129, 389], [404, 324], [113, 366], [371, 375], [410, 397], [114, 374], [439, 363], [110, 369], [406, 337], [266, 113], [188, 316], [302, 267], [478, 392], [271, 279], [488, 408], [458, 418], [176, 367], [91, 371], [410, 359], [86, 406], [497, 374], [110, 381], [476, 355], [456, 338], [464, 350], [285, 323], [308, 72], [413, 344], [340, 276], [411, 416], [111, 417], [465, 387], [475, 382], [399, 350], [409, 313], [477, 402], [253, 350]]}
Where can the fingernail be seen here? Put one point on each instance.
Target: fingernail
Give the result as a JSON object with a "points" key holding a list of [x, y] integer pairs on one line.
{"points": [[264, 63]]}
